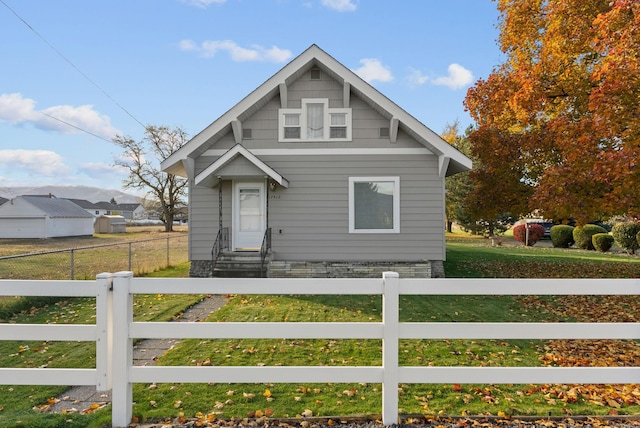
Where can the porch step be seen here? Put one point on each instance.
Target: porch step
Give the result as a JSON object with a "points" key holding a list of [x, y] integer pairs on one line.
{"points": [[245, 264]]}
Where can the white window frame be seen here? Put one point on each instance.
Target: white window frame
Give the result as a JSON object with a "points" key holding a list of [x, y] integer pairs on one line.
{"points": [[396, 204], [302, 114]]}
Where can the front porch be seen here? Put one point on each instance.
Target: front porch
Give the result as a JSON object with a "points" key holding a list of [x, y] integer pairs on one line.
{"points": [[228, 263]]}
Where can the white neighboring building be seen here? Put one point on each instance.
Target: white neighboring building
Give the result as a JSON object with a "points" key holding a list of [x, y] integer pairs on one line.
{"points": [[43, 217]]}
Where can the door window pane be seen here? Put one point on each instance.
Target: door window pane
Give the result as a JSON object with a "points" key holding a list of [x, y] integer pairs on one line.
{"points": [[250, 216]]}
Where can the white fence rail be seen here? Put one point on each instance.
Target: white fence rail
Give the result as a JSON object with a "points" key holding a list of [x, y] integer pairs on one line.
{"points": [[115, 329], [101, 332]]}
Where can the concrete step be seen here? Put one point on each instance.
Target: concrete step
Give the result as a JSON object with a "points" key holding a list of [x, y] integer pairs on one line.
{"points": [[238, 265]]}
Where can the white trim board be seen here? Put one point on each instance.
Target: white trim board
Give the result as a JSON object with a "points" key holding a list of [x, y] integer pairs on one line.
{"points": [[327, 152]]}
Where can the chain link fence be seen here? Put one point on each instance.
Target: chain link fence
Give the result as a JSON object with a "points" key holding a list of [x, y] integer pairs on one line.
{"points": [[140, 257]]}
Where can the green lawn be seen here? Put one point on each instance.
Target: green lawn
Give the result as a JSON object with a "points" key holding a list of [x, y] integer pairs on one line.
{"points": [[466, 258]]}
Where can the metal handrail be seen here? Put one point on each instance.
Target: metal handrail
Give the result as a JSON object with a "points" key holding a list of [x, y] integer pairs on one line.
{"points": [[264, 250], [221, 243]]}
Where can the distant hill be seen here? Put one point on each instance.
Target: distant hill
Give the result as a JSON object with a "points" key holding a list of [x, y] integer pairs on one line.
{"points": [[92, 194]]}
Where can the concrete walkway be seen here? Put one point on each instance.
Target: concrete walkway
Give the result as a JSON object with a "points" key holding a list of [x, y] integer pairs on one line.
{"points": [[85, 399]]}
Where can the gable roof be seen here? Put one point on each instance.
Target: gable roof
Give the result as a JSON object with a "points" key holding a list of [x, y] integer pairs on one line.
{"points": [[207, 176], [82, 203], [103, 205], [54, 207], [128, 207], [451, 161]]}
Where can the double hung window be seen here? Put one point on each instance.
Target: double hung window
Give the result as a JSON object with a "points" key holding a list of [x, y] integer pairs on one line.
{"points": [[374, 205], [314, 121]]}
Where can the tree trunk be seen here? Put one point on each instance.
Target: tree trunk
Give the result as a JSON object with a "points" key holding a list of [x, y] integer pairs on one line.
{"points": [[168, 219]]}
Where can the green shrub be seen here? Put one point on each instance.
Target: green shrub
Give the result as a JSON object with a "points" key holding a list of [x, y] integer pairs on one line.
{"points": [[536, 233], [626, 235], [583, 234], [602, 242], [562, 236]]}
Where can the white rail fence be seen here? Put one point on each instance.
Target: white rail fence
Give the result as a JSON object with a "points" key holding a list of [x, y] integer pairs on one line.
{"points": [[115, 329]]}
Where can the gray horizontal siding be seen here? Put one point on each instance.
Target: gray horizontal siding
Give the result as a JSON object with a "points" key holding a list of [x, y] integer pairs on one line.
{"points": [[313, 212], [203, 218], [310, 219]]}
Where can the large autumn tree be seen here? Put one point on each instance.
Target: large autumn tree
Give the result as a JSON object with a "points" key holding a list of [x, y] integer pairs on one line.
{"points": [[558, 123], [467, 203], [141, 159]]}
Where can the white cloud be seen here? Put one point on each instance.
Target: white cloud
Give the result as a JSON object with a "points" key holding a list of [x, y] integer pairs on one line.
{"points": [[209, 48], [458, 77], [202, 3], [416, 78], [18, 110], [187, 45], [372, 69], [15, 109], [340, 5], [41, 162]]}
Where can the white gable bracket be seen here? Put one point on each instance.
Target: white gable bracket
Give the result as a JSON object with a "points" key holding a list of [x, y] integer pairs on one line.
{"points": [[283, 95], [346, 94], [236, 127], [189, 165], [443, 165], [393, 129]]}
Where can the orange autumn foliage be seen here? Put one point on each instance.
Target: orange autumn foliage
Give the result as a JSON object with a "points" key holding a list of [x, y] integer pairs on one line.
{"points": [[561, 115]]}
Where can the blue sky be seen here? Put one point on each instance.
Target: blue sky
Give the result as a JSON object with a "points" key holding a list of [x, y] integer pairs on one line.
{"points": [[74, 73]]}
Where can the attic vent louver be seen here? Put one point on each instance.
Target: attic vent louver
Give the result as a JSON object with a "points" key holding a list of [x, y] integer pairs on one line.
{"points": [[315, 74], [246, 134], [384, 132]]}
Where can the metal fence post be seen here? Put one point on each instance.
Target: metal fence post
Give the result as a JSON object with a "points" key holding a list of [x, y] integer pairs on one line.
{"points": [[168, 263], [72, 267], [390, 361], [122, 392], [130, 256]]}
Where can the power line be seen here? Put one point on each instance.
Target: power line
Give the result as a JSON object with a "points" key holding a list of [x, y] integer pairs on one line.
{"points": [[72, 65], [74, 126]]}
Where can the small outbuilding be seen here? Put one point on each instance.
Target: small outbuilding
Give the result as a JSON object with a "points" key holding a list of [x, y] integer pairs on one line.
{"points": [[43, 217], [110, 224]]}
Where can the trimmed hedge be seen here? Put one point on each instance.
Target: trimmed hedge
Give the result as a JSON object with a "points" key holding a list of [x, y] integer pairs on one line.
{"points": [[562, 236], [583, 235], [536, 233], [602, 242], [626, 235]]}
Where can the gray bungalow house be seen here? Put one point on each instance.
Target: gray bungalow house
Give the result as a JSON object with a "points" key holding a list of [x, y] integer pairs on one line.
{"points": [[317, 174]]}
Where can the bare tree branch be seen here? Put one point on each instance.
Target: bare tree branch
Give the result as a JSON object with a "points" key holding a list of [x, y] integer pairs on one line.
{"points": [[142, 161]]}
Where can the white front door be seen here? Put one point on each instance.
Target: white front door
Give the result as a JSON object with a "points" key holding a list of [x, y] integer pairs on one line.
{"points": [[248, 215]]}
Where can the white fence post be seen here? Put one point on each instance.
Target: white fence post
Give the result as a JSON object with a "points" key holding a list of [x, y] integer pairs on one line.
{"points": [[104, 330], [390, 322], [122, 392]]}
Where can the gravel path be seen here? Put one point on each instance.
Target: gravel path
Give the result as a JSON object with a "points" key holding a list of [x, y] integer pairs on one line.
{"points": [[82, 399]]}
